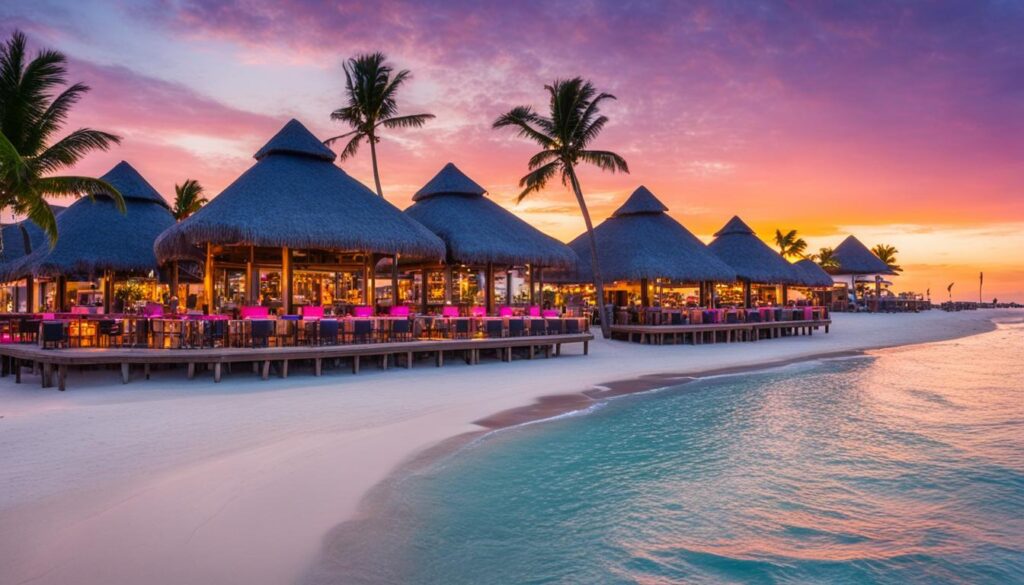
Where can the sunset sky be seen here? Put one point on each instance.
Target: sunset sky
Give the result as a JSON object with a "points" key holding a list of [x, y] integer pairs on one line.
{"points": [[899, 122]]}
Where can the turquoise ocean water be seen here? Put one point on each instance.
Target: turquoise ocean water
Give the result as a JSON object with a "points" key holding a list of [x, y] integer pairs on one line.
{"points": [[906, 466]]}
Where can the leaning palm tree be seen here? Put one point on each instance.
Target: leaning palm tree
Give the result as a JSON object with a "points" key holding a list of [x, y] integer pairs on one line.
{"points": [[370, 89], [564, 137], [790, 245], [188, 199], [30, 116], [826, 258], [887, 254]]}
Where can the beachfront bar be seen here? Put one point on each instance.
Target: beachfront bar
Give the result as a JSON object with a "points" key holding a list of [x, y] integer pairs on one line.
{"points": [[763, 275], [814, 283], [103, 261], [650, 264], [295, 234], [484, 244], [859, 277]]}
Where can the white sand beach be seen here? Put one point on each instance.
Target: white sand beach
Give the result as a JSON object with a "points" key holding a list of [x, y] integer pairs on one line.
{"points": [[177, 481]]}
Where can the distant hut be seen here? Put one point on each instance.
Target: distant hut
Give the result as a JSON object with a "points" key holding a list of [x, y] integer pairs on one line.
{"points": [[478, 232], [97, 241], [754, 262], [640, 243], [295, 229], [815, 280], [859, 264], [19, 240]]}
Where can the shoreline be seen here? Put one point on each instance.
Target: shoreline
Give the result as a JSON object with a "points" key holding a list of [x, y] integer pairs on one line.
{"points": [[266, 498]]}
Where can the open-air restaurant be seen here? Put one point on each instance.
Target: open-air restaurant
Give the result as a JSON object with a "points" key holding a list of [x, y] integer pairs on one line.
{"points": [[297, 254]]}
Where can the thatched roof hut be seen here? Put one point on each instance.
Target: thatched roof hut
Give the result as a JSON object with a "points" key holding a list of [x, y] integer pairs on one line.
{"points": [[21, 238], [855, 258], [295, 197], [812, 275], [477, 230], [739, 247], [94, 236], [641, 241]]}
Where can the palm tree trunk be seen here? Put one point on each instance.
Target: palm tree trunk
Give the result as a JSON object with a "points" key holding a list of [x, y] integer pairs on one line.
{"points": [[376, 173], [598, 281]]}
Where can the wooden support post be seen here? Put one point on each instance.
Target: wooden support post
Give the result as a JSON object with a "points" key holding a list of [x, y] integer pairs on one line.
{"points": [[384, 361], [408, 360], [17, 371], [533, 281], [191, 370], [440, 359], [145, 370], [216, 372], [394, 281], [586, 347], [47, 378], [287, 279], [424, 296], [355, 364], [62, 376], [508, 287], [645, 293], [265, 373], [489, 292], [126, 372], [30, 292], [208, 280], [284, 368], [317, 366]]}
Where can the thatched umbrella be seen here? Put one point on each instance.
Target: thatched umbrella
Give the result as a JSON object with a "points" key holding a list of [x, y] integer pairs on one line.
{"points": [[855, 259], [641, 242], [294, 197], [739, 247], [476, 230], [96, 239]]}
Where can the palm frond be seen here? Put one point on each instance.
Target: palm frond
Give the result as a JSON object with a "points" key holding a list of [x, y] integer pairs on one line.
{"points": [[410, 121], [79, 186], [537, 179], [334, 139], [352, 147], [70, 149], [605, 160], [523, 118], [40, 213]]}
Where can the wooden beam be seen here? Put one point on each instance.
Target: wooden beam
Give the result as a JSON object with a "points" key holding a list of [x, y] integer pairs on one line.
{"points": [[208, 280], [287, 279]]}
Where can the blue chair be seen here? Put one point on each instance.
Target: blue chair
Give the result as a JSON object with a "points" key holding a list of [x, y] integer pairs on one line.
{"points": [[732, 318], [401, 329], [494, 328], [54, 335], [216, 333], [262, 329], [538, 327], [328, 334], [555, 326], [572, 326], [362, 331], [462, 329], [516, 328], [753, 317], [675, 318]]}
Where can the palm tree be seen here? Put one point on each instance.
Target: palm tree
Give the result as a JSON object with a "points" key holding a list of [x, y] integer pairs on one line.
{"points": [[826, 258], [188, 199], [30, 116], [790, 246], [371, 88], [887, 254], [564, 136]]}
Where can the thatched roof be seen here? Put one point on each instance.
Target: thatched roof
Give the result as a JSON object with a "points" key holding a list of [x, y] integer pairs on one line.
{"points": [[641, 241], [20, 238], [94, 236], [855, 258], [751, 258], [811, 274], [295, 196], [477, 230]]}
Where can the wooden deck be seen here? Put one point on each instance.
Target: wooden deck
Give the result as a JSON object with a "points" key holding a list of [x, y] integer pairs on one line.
{"points": [[715, 332], [15, 357]]}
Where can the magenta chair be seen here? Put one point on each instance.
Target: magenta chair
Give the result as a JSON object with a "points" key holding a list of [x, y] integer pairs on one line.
{"points": [[449, 311], [254, 312], [362, 311], [311, 312], [534, 311], [399, 311], [478, 312], [505, 312]]}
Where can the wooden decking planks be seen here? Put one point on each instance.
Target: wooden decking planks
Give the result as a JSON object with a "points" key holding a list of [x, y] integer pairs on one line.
{"points": [[16, 355], [709, 333]]}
